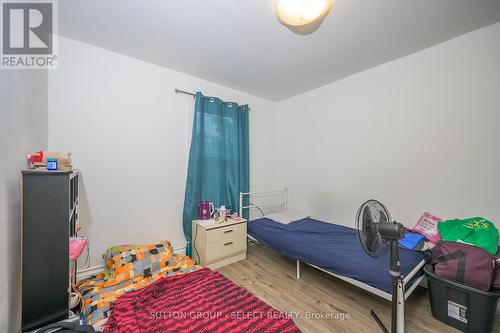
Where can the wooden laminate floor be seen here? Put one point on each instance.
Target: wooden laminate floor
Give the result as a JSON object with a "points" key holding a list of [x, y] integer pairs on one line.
{"points": [[321, 302]]}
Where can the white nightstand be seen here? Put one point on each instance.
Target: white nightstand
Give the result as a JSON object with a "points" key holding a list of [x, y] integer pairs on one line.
{"points": [[219, 244]]}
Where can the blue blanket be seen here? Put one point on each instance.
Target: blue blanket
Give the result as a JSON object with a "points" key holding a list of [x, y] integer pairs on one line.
{"points": [[332, 247]]}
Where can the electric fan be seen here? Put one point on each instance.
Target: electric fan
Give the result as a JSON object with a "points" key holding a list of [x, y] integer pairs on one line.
{"points": [[377, 233]]}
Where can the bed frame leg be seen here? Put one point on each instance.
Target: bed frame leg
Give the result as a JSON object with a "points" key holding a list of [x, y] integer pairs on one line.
{"points": [[298, 269]]}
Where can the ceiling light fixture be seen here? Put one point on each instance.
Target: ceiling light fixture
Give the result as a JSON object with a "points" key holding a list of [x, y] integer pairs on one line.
{"points": [[302, 16]]}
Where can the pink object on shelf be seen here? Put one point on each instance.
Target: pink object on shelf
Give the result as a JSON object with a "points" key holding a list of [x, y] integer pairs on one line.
{"points": [[427, 226], [63, 158], [76, 246]]}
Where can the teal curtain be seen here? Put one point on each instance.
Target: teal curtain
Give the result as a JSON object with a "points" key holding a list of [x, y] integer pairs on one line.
{"points": [[218, 159]]}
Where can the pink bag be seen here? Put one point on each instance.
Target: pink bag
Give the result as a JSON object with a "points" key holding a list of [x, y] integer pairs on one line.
{"points": [[427, 226], [76, 246]]}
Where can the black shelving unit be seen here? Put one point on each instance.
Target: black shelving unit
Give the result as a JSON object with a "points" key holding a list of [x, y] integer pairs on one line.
{"points": [[50, 216]]}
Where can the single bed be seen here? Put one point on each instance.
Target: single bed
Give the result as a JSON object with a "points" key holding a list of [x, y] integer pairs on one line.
{"points": [[334, 249]]}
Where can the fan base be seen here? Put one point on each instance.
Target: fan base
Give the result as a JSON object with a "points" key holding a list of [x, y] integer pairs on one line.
{"points": [[379, 322]]}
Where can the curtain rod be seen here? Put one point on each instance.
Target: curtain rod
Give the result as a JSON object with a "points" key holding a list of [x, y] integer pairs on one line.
{"points": [[179, 91]]}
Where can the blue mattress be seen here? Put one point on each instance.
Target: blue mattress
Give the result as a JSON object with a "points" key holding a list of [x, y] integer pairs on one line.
{"points": [[332, 247]]}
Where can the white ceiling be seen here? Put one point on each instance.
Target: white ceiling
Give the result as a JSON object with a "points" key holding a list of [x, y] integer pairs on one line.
{"points": [[240, 44]]}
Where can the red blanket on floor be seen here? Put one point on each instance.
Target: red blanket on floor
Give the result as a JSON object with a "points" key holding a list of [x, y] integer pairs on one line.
{"points": [[201, 301]]}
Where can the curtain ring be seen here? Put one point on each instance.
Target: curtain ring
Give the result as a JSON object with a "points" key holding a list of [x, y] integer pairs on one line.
{"points": [[230, 105], [211, 100]]}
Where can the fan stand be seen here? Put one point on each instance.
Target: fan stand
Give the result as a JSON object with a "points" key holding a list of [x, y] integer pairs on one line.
{"points": [[397, 316]]}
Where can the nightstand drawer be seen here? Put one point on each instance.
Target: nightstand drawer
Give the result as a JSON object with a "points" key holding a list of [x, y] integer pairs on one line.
{"points": [[226, 247], [217, 234]]}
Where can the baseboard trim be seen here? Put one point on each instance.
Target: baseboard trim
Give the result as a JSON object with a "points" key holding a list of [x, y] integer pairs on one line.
{"points": [[88, 272]]}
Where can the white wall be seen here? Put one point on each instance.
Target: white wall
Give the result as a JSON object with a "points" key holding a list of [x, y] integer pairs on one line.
{"points": [[23, 129], [420, 133], [129, 134]]}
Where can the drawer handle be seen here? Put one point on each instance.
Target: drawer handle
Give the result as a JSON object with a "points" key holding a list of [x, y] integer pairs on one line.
{"points": [[229, 243], [228, 231]]}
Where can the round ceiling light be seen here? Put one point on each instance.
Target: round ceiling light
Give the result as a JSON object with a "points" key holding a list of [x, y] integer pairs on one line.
{"points": [[302, 16]]}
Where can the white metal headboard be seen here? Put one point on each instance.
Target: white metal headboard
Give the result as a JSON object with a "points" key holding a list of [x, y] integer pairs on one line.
{"points": [[283, 203]]}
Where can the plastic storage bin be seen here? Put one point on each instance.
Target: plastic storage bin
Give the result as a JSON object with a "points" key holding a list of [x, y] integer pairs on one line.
{"points": [[462, 307]]}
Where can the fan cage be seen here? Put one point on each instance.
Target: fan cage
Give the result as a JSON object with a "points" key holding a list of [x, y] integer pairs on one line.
{"points": [[376, 208]]}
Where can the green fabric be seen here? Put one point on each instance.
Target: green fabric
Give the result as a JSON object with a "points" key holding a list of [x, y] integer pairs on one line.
{"points": [[475, 231], [218, 167]]}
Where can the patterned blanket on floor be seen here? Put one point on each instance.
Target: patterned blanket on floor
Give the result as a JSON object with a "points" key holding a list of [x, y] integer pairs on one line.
{"points": [[99, 294], [203, 302]]}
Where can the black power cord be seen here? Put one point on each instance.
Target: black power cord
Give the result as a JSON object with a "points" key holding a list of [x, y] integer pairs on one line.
{"points": [[194, 244]]}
